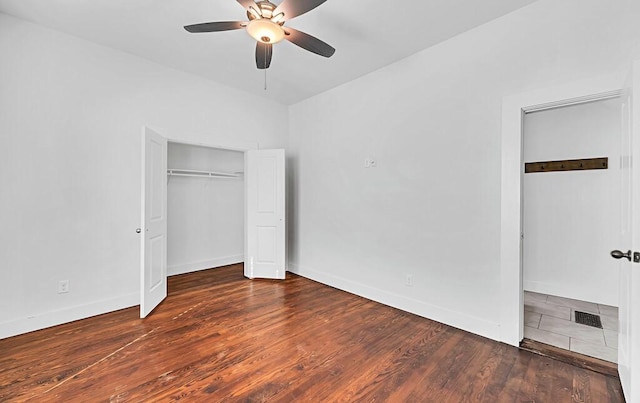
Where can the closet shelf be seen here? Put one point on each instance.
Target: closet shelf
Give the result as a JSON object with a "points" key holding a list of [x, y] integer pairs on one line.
{"points": [[204, 174]]}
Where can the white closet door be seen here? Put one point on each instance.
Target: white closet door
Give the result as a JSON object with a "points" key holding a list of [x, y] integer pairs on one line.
{"points": [[265, 214], [153, 281]]}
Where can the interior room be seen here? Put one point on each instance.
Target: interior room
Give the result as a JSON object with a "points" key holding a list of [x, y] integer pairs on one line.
{"points": [[406, 234]]}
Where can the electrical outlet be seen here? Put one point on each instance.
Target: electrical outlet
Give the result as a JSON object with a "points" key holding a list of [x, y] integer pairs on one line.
{"points": [[370, 162], [409, 280], [63, 286]]}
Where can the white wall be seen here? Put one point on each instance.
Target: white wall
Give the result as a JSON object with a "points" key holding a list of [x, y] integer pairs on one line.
{"points": [[71, 118], [571, 219], [205, 216], [431, 208]]}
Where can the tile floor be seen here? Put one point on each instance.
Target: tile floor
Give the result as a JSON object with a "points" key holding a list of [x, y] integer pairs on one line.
{"points": [[551, 320]]}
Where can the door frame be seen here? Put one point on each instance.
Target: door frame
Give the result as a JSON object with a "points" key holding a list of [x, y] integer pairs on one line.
{"points": [[514, 108], [236, 146], [240, 146]]}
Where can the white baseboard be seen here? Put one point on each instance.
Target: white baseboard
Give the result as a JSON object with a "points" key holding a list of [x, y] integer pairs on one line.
{"points": [[440, 314], [452, 318], [581, 293], [204, 264], [54, 318]]}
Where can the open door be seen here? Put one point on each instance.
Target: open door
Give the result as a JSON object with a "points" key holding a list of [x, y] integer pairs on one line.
{"points": [[629, 309], [153, 281], [264, 255]]}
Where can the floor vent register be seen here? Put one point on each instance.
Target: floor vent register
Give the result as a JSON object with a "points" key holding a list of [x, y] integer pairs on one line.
{"points": [[589, 319]]}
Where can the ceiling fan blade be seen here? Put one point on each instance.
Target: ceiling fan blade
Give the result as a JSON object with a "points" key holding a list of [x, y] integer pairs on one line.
{"points": [[247, 3], [264, 51], [294, 8], [215, 26], [308, 42]]}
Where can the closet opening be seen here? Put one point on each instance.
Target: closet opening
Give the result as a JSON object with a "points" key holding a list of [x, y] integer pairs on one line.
{"points": [[205, 207]]}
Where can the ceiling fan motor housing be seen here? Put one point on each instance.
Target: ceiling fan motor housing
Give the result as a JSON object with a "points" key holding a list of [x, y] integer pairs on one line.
{"points": [[265, 8]]}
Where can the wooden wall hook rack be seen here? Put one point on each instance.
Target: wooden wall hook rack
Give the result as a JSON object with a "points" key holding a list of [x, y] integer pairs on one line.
{"points": [[567, 165]]}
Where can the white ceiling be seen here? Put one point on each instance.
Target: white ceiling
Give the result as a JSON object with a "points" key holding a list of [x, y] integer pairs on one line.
{"points": [[367, 35]]}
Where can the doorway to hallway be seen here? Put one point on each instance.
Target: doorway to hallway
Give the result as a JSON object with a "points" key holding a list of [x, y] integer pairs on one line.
{"points": [[570, 222]]}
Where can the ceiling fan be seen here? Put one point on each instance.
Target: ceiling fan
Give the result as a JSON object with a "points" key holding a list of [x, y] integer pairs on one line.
{"points": [[266, 25]]}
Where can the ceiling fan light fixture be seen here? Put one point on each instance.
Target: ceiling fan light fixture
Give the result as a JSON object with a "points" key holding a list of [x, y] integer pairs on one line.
{"points": [[265, 31], [278, 18], [255, 13]]}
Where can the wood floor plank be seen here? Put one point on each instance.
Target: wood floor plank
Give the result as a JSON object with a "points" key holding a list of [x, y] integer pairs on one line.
{"points": [[221, 337]]}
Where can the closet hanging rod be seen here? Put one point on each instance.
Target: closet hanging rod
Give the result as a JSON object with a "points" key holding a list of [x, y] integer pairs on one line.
{"points": [[206, 176], [203, 174]]}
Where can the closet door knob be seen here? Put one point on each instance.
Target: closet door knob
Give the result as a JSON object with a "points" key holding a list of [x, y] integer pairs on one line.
{"points": [[616, 254], [138, 230]]}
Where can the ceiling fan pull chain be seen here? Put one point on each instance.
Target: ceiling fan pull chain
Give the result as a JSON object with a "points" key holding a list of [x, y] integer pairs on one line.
{"points": [[265, 69]]}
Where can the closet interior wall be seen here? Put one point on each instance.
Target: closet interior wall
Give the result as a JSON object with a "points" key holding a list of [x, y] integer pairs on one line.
{"points": [[205, 212]]}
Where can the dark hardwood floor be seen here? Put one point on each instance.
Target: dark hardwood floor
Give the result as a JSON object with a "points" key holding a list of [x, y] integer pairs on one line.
{"points": [[221, 337]]}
